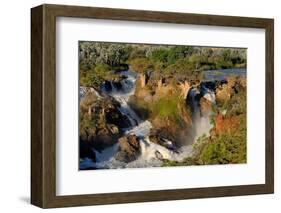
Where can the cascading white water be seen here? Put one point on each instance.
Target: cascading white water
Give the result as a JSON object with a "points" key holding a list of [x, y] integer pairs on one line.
{"points": [[122, 95], [151, 153], [201, 123], [208, 94], [126, 110]]}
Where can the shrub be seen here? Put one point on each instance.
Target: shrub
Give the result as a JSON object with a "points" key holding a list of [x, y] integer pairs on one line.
{"points": [[95, 76], [141, 65]]}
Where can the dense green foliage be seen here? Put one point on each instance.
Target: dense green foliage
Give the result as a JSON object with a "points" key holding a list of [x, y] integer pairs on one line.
{"points": [[166, 107], [170, 107], [224, 148], [94, 76], [98, 60], [141, 65], [228, 146]]}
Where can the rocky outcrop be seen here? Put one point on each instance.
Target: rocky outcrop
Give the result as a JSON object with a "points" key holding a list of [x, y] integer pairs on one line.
{"points": [[155, 137], [83, 91], [178, 131], [225, 124], [129, 149], [205, 107], [146, 95], [143, 80], [101, 122], [185, 87], [164, 91], [225, 91], [86, 151], [160, 103]]}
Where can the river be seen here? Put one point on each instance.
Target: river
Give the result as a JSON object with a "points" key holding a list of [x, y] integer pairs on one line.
{"points": [[149, 157]]}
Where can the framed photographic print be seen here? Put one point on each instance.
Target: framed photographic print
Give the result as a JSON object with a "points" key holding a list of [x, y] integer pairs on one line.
{"points": [[137, 106]]}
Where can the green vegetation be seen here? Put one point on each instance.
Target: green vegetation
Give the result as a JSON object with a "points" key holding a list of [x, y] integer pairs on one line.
{"points": [[141, 65], [166, 107], [224, 148], [95, 75], [170, 107], [98, 60], [159, 96], [227, 142]]}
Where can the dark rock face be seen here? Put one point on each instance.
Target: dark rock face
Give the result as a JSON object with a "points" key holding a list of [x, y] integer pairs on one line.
{"points": [[129, 149], [110, 86], [155, 137], [107, 86], [103, 139], [86, 151], [113, 116]]}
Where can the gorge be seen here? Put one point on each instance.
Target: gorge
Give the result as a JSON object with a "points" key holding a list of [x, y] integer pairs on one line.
{"points": [[147, 121]]}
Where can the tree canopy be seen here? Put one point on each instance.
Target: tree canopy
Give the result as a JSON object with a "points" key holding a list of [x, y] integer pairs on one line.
{"points": [[97, 60]]}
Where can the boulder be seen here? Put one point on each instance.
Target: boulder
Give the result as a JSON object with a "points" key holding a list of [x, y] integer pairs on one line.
{"points": [[223, 93], [103, 139], [157, 139], [129, 149]]}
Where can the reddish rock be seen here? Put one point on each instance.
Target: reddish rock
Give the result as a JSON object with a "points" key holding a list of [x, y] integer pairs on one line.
{"points": [[226, 124]]}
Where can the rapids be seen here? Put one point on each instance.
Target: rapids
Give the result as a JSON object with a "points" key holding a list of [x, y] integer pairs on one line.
{"points": [[152, 154]]}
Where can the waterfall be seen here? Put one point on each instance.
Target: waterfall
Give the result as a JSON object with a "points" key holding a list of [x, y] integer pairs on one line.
{"points": [[151, 153], [202, 124], [208, 93], [123, 94], [126, 110]]}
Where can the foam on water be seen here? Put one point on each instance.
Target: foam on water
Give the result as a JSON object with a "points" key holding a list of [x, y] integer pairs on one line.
{"points": [[141, 130], [152, 154]]}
